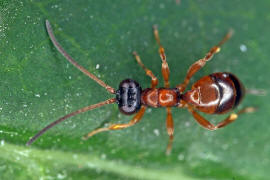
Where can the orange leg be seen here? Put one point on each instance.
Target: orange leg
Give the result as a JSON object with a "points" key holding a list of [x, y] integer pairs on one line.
{"points": [[165, 67], [147, 71], [170, 130], [134, 120], [231, 118], [201, 62]]}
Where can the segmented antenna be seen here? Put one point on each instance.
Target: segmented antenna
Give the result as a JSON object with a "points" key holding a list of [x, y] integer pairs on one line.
{"points": [[88, 108], [72, 61]]}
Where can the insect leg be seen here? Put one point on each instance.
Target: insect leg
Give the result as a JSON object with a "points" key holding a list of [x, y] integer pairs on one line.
{"points": [[231, 118], [201, 62], [165, 67], [134, 120], [170, 130], [148, 72]]}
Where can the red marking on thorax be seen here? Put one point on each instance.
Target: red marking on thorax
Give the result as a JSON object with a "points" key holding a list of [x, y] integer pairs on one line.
{"points": [[160, 97]]}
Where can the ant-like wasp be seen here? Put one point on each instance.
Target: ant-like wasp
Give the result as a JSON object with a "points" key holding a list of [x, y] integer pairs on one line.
{"points": [[216, 93]]}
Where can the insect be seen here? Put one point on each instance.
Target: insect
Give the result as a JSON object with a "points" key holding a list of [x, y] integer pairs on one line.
{"points": [[216, 93]]}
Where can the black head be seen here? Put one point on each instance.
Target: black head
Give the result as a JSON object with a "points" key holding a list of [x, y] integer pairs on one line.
{"points": [[128, 96]]}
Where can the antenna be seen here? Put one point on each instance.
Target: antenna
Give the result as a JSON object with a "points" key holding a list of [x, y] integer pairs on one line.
{"points": [[87, 108], [72, 61]]}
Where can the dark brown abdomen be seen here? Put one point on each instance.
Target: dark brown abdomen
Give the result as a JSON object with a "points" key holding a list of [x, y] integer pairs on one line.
{"points": [[217, 93]]}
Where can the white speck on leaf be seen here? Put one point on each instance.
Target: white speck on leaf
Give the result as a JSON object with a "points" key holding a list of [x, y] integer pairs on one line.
{"points": [[24, 153], [41, 114], [181, 157], [9, 132], [90, 165], [2, 143], [73, 126], [187, 124], [61, 176], [119, 115], [156, 132], [243, 48], [103, 156], [75, 156]]}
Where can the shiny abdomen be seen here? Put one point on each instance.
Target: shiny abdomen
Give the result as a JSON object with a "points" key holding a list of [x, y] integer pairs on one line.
{"points": [[216, 93]]}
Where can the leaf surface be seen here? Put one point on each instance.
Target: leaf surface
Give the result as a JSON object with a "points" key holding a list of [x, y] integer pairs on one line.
{"points": [[37, 86]]}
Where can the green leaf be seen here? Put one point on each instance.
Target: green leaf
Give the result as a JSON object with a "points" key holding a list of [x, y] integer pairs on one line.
{"points": [[37, 86]]}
